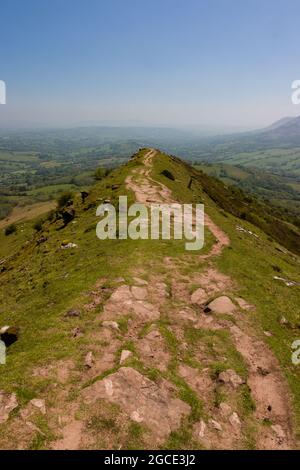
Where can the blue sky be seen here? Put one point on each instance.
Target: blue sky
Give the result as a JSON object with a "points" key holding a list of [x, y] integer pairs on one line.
{"points": [[214, 63]]}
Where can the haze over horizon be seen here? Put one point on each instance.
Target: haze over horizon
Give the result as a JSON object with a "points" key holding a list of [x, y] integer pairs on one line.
{"points": [[219, 67]]}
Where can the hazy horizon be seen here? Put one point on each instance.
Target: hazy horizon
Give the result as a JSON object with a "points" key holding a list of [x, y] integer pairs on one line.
{"points": [[217, 67]]}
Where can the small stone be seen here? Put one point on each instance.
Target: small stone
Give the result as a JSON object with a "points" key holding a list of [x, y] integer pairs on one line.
{"points": [[235, 420], [262, 371], [135, 416], [125, 354], [72, 313], [199, 296], [202, 428], [162, 289], [69, 245], [215, 425], [278, 431], [40, 404], [225, 409], [111, 324], [121, 294], [221, 305], [4, 329], [7, 404], [230, 377], [268, 334], [89, 360]]}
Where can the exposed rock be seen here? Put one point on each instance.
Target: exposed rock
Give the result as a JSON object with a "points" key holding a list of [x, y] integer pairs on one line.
{"points": [[268, 334], [111, 324], [140, 282], [199, 429], [125, 354], [68, 246], [199, 297], [135, 416], [119, 303], [139, 293], [278, 431], [89, 360], [235, 420], [40, 404], [230, 377], [188, 314], [161, 289], [142, 399], [221, 304], [7, 404], [153, 351], [215, 425], [72, 313], [199, 381], [145, 310], [225, 409], [121, 294]]}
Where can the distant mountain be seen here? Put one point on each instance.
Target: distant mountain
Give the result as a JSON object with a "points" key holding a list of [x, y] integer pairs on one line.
{"points": [[285, 130], [284, 133], [279, 123]]}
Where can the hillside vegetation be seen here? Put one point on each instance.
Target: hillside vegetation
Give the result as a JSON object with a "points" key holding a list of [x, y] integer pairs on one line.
{"points": [[79, 303]]}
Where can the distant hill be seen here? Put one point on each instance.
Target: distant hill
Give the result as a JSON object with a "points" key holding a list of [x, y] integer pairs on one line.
{"points": [[284, 133], [279, 123]]}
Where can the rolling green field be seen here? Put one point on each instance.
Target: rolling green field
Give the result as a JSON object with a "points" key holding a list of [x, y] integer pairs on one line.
{"points": [[280, 191], [31, 177]]}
